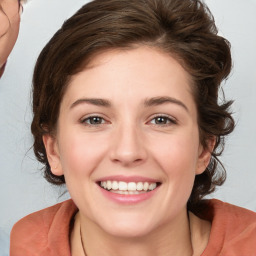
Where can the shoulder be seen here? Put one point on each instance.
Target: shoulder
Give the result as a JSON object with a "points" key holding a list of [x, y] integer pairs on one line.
{"points": [[38, 230], [233, 230], [228, 215], [44, 216]]}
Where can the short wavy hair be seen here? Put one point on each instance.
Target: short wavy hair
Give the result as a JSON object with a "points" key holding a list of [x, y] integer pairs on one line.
{"points": [[184, 29]]}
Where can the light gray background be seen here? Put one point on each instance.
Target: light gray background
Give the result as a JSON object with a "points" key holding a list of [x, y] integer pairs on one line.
{"points": [[23, 190]]}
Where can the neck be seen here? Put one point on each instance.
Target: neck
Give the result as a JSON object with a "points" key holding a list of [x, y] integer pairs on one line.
{"points": [[172, 239]]}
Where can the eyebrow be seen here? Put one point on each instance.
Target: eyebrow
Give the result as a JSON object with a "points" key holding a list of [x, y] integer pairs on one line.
{"points": [[92, 101], [163, 100], [147, 103]]}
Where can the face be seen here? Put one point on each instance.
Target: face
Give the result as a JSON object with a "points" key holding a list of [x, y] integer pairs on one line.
{"points": [[127, 142], [10, 21]]}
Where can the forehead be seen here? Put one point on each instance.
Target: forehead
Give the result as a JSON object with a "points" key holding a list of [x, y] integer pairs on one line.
{"points": [[143, 71]]}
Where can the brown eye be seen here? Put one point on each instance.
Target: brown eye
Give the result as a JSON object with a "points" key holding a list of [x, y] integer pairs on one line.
{"points": [[161, 120], [95, 120]]}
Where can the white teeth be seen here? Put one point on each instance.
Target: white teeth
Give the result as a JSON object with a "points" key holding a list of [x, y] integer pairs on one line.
{"points": [[122, 187], [104, 184], [133, 192], [115, 185], [145, 186], [139, 186], [109, 184], [132, 186], [125, 192], [152, 186]]}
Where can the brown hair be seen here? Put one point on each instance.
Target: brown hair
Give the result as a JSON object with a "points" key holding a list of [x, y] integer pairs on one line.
{"points": [[184, 29]]}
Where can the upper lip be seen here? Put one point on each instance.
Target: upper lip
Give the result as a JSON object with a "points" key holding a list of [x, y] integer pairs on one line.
{"points": [[128, 179]]}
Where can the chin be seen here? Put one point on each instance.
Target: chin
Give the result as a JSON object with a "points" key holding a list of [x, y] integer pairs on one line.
{"points": [[128, 227]]}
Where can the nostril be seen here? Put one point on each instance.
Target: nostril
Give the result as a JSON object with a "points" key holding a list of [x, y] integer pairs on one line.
{"points": [[126, 161]]}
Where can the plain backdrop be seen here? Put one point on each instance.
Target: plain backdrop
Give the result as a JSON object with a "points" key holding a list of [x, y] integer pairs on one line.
{"points": [[23, 189]]}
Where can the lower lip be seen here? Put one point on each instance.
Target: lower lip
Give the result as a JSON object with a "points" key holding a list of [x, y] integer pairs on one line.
{"points": [[128, 199]]}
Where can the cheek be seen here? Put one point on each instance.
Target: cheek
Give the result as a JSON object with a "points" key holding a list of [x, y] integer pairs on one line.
{"points": [[178, 152], [4, 42], [8, 36], [80, 155], [177, 156], [14, 30], [180, 169], [4, 23], [10, 18]]}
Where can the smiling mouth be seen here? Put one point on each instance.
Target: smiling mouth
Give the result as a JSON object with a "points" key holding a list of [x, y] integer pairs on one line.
{"points": [[128, 188]]}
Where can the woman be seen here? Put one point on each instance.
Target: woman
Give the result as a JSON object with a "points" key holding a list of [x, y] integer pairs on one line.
{"points": [[126, 114], [10, 11]]}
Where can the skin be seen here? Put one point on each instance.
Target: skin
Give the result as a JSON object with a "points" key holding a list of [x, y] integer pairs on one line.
{"points": [[10, 21], [128, 141]]}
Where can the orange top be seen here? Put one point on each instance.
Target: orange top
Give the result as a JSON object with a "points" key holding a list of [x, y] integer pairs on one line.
{"points": [[46, 233]]}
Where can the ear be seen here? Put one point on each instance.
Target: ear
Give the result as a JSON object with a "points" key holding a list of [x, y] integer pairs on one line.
{"points": [[53, 156], [205, 155]]}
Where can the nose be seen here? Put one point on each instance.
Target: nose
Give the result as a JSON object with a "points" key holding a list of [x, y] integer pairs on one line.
{"points": [[128, 147]]}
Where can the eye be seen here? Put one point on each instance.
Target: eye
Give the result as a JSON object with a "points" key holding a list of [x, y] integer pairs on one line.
{"points": [[93, 121], [162, 120]]}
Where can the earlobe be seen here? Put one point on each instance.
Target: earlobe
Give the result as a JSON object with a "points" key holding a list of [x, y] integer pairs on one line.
{"points": [[51, 147], [205, 154]]}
